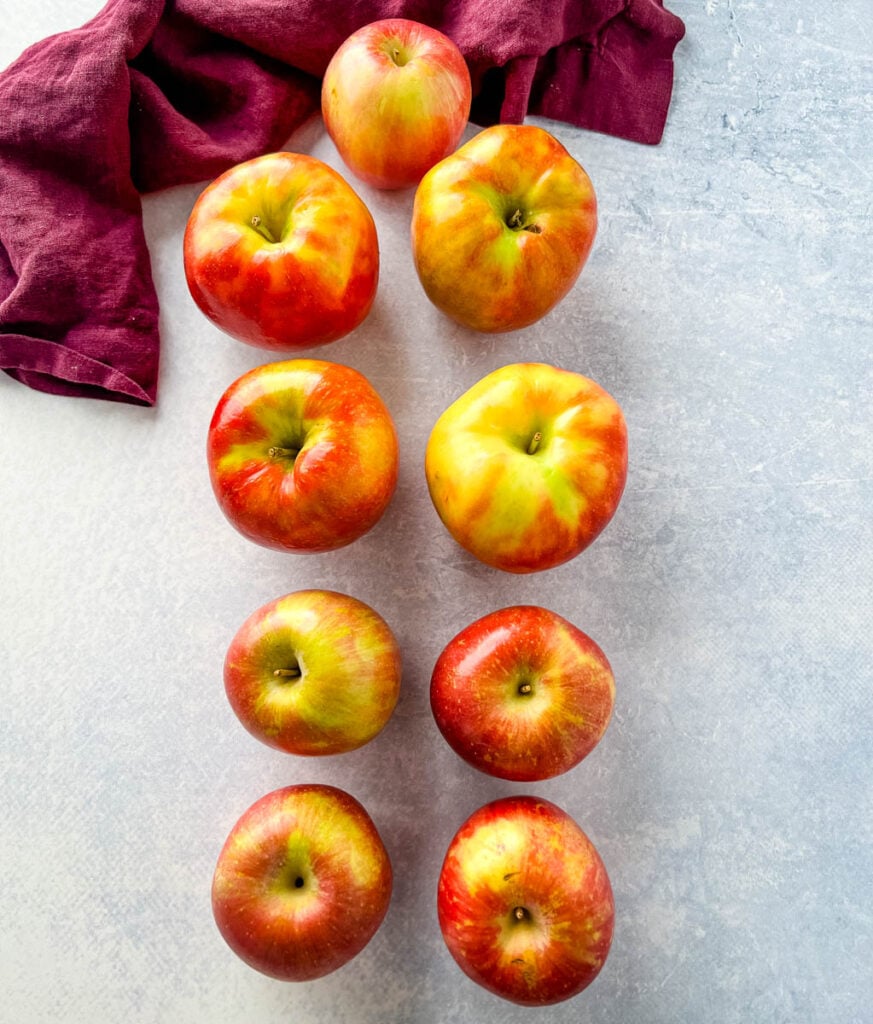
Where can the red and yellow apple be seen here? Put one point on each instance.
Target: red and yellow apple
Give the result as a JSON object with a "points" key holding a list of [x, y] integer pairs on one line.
{"points": [[281, 253], [527, 467], [522, 694], [395, 100], [524, 902], [502, 228], [313, 672], [302, 455], [302, 883]]}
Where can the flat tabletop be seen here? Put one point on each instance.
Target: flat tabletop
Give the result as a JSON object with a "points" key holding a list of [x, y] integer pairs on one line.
{"points": [[726, 305]]}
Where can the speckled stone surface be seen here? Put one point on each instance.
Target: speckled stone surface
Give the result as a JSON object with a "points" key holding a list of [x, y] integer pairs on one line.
{"points": [[727, 306]]}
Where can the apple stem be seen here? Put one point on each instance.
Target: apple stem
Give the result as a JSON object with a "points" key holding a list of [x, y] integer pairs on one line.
{"points": [[535, 442], [525, 688], [520, 914], [516, 222], [277, 452], [262, 229], [397, 51], [287, 673]]}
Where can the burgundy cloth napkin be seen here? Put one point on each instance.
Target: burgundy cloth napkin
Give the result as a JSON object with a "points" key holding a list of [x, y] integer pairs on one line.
{"points": [[153, 93]]}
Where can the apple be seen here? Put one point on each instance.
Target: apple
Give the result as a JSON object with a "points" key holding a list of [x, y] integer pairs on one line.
{"points": [[302, 883], [522, 694], [313, 672], [502, 228], [524, 902], [302, 455], [281, 253], [527, 467], [395, 100]]}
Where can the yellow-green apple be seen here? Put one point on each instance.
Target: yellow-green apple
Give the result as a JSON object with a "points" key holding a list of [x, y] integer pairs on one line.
{"points": [[522, 694], [502, 228], [524, 902], [528, 466], [302, 883], [281, 253], [302, 455], [395, 100], [313, 672]]}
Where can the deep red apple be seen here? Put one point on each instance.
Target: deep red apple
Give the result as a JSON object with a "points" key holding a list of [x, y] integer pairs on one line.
{"points": [[395, 100], [302, 455], [302, 882], [524, 902], [522, 694], [314, 672], [281, 253]]}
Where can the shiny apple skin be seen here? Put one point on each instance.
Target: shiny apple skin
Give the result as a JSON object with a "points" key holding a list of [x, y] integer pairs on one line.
{"points": [[522, 694], [342, 479], [525, 853], [502, 228], [390, 121], [323, 837], [311, 282], [524, 512], [314, 672]]}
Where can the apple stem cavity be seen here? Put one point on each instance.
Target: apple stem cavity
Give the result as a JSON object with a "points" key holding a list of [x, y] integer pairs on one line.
{"points": [[398, 54], [262, 229], [534, 442], [517, 223]]}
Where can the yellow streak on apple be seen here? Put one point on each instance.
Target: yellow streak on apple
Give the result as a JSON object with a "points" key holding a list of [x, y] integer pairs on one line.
{"points": [[290, 209], [322, 820]]}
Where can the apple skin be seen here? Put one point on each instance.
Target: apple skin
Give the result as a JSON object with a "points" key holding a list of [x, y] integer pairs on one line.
{"points": [[522, 694], [395, 100], [524, 902], [502, 228], [281, 253], [302, 455], [302, 883], [518, 501], [313, 672]]}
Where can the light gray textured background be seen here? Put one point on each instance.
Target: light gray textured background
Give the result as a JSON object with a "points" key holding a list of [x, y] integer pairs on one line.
{"points": [[727, 306]]}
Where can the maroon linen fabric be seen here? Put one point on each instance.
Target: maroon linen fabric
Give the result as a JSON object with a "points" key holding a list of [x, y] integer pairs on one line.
{"points": [[153, 93]]}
